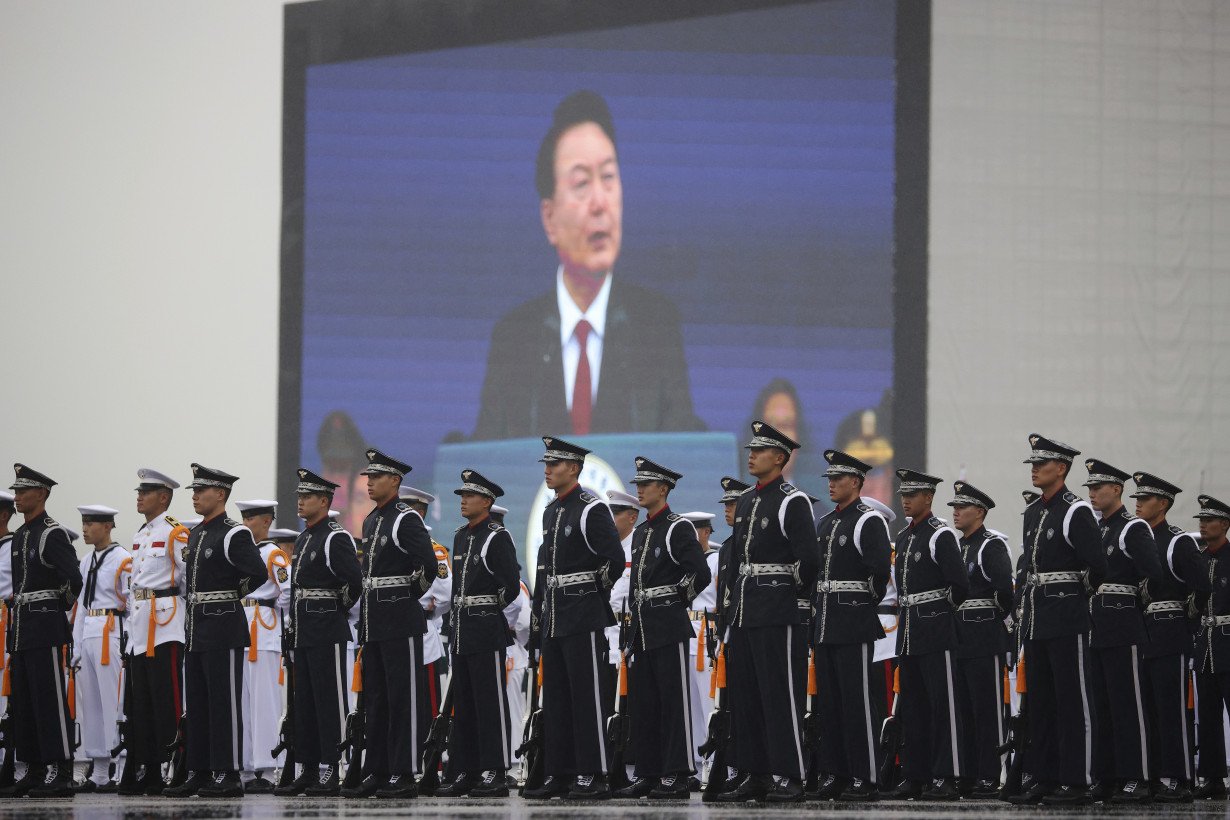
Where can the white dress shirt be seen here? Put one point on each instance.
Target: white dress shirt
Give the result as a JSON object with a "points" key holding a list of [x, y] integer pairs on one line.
{"points": [[569, 317]]}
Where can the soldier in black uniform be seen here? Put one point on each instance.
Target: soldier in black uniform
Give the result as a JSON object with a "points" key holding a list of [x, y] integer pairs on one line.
{"points": [[1120, 746], [46, 582], [1213, 650], [931, 584], [668, 569], [774, 563], [1062, 543], [579, 560], [1184, 572], [399, 565], [855, 564], [486, 579], [732, 488], [222, 565], [325, 582], [984, 643]]}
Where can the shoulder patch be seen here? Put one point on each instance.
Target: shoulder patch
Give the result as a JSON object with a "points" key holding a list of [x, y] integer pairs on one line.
{"points": [[336, 527], [673, 517], [402, 506], [171, 521], [282, 574], [231, 522], [442, 569], [495, 527], [51, 522], [586, 497], [1176, 530], [934, 521], [1127, 515], [789, 488], [864, 508], [1070, 497]]}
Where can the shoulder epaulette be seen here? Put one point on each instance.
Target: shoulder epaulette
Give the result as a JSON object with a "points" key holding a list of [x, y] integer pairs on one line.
{"points": [[864, 508], [51, 522], [495, 527], [1127, 515], [462, 527], [1177, 530], [587, 498], [1070, 497], [789, 488], [171, 521], [402, 506], [333, 525], [231, 522], [673, 517]]}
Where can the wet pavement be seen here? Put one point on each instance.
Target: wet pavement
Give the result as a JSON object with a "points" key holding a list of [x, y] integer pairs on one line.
{"points": [[104, 807]]}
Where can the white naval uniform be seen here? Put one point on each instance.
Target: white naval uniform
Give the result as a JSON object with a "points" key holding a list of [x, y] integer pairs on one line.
{"points": [[619, 596], [517, 614], [263, 697], [702, 704], [436, 602], [156, 565], [96, 650]]}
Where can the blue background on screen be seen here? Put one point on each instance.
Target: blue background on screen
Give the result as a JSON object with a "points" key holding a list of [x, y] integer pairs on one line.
{"points": [[756, 155]]}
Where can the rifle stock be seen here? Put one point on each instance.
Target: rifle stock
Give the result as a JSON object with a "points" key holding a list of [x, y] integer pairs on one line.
{"points": [[353, 742], [717, 744], [286, 728], [890, 739], [437, 743], [531, 749], [617, 726]]}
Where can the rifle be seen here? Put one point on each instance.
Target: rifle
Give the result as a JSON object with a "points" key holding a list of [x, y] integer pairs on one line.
{"points": [[129, 776], [7, 769], [286, 728], [811, 724], [717, 744], [890, 739], [437, 742], [178, 747], [617, 725], [353, 742], [1018, 741], [531, 749]]}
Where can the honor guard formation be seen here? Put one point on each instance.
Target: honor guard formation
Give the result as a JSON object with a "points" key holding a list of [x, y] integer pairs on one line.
{"points": [[851, 657]]}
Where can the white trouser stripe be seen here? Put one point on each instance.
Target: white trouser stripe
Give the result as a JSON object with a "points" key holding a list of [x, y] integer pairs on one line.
{"points": [[871, 742], [1088, 735], [233, 684], [685, 679], [997, 666], [339, 666], [1140, 716], [59, 672], [952, 716], [794, 712], [593, 641], [414, 709], [502, 694], [1187, 758]]}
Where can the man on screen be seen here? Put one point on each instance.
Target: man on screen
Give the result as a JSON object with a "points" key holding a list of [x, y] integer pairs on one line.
{"points": [[596, 354]]}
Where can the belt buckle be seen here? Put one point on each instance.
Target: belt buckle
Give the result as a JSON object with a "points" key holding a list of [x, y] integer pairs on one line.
{"points": [[552, 582], [1209, 620], [1032, 578], [824, 586]]}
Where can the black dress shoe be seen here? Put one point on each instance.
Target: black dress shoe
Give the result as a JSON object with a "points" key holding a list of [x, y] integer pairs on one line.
{"points": [[132, 785], [906, 790], [671, 787], [1032, 795], [1133, 791], [367, 787], [399, 787], [785, 790], [590, 787], [460, 787], [189, 787], [694, 784], [107, 788], [751, 787], [859, 791], [1067, 795], [224, 784], [85, 787], [57, 782], [298, 785], [34, 776], [1176, 792], [152, 783], [984, 790], [1211, 788], [552, 786], [258, 785], [638, 788], [1102, 791], [493, 783], [328, 783], [941, 789]]}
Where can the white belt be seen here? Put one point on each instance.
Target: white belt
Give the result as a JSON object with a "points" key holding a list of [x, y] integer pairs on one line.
{"points": [[1165, 606], [844, 586], [1117, 589], [977, 603], [1038, 578], [570, 579], [923, 597], [768, 569], [381, 581], [209, 597], [655, 592], [1215, 620], [307, 594], [30, 597], [460, 601]]}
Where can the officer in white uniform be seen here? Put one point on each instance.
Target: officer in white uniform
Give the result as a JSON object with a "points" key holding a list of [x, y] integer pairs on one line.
{"points": [[884, 652], [435, 602], [155, 634], [625, 511], [703, 605], [262, 695]]}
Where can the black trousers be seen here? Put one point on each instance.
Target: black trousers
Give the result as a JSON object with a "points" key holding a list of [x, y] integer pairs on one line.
{"points": [[213, 686], [660, 708], [1120, 739], [764, 699], [392, 686], [980, 687], [850, 702], [155, 705], [480, 739], [1060, 712], [321, 703], [43, 729], [1212, 696], [932, 716], [1165, 690], [576, 701]]}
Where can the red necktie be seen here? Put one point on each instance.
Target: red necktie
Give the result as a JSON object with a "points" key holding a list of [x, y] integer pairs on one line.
{"points": [[582, 403]]}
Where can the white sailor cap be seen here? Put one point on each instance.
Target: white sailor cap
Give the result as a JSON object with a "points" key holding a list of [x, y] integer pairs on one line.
{"points": [[618, 498], [496, 509], [283, 534], [880, 507], [7, 497], [97, 513], [408, 493], [72, 534], [192, 522], [335, 514], [257, 506], [151, 479], [700, 519]]}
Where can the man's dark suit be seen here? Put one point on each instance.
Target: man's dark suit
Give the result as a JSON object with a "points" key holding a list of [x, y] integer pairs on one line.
{"points": [[642, 384]]}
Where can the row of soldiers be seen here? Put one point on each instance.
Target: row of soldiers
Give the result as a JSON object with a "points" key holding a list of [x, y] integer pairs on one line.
{"points": [[787, 616]]}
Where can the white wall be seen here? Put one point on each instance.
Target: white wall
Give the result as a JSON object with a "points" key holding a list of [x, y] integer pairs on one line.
{"points": [[1080, 240], [139, 204], [1080, 205]]}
